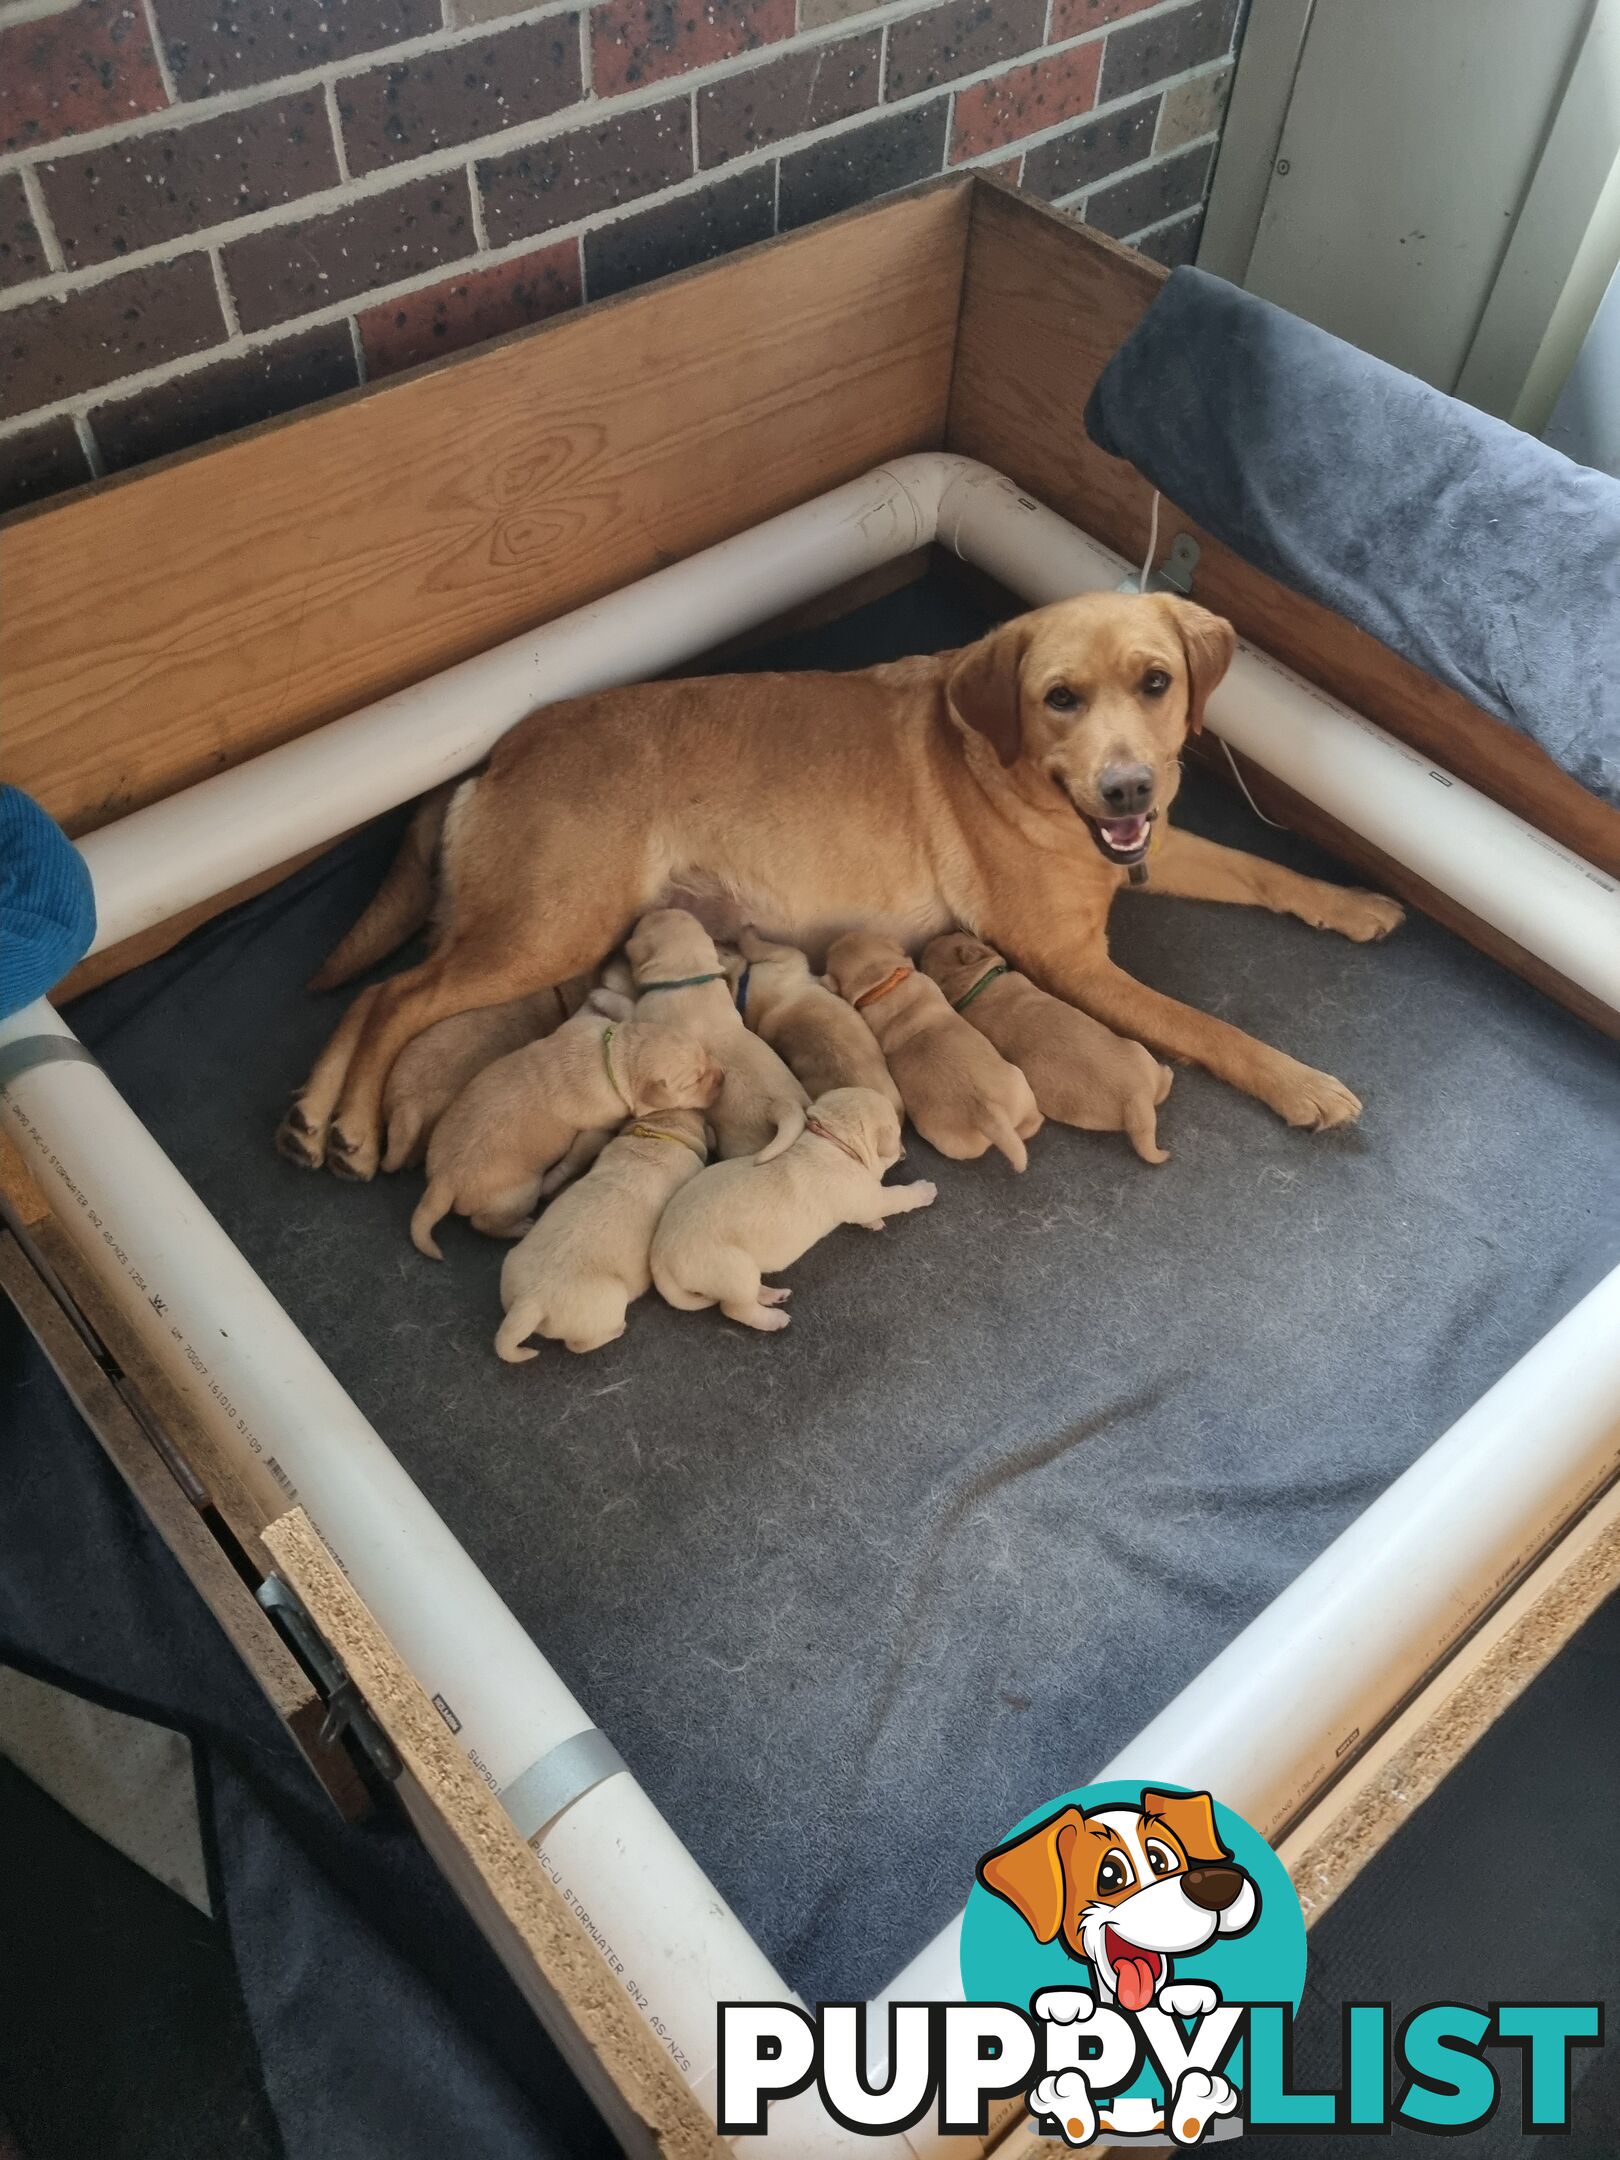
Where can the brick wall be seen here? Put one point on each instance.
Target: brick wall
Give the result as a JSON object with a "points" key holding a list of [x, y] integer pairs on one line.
{"points": [[212, 211]]}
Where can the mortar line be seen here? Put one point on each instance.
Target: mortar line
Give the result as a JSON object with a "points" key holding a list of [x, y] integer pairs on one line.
{"points": [[165, 73], [44, 224]]}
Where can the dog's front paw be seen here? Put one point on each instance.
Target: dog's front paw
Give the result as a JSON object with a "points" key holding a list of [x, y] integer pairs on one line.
{"points": [[1200, 2097], [1363, 917], [1310, 1100], [1064, 2097], [300, 1139], [1189, 1998], [350, 1157], [1064, 2006]]}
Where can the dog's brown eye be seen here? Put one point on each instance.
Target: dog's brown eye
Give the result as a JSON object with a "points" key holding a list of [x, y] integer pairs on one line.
{"points": [[1061, 698], [1160, 1858], [1114, 1874], [1155, 682]]}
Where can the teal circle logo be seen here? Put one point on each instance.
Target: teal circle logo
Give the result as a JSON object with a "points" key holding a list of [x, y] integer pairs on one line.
{"points": [[1135, 1899]]}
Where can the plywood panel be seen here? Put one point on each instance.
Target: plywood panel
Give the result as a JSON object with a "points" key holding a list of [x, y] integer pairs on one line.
{"points": [[1044, 305], [160, 628]]}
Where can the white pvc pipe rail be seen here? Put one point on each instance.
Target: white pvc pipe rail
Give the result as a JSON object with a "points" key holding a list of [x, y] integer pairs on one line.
{"points": [[286, 1421]]}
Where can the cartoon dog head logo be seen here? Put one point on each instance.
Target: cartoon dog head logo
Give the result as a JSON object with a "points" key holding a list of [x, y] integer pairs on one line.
{"points": [[1126, 1888]]}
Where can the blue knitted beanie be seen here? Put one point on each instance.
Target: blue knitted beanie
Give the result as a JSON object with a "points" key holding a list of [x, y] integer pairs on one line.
{"points": [[47, 909]]}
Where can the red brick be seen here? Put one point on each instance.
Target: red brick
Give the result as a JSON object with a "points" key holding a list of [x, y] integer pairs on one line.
{"points": [[215, 45], [234, 393], [642, 41], [292, 270], [573, 175], [155, 188], [455, 95], [1057, 87], [22, 256], [90, 68], [466, 310], [41, 462], [56, 348], [1160, 46], [1011, 170], [1073, 18], [795, 95], [958, 38], [1092, 151]]}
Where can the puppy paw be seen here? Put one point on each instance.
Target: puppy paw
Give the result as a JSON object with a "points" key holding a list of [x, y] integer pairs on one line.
{"points": [[1312, 1101], [1064, 2006], [773, 1297], [1363, 917], [1189, 1998], [300, 1141], [1064, 2097], [878, 1225], [1200, 2097], [352, 1158]]}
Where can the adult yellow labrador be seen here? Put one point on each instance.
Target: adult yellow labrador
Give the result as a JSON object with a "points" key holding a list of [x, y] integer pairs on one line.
{"points": [[1007, 787]]}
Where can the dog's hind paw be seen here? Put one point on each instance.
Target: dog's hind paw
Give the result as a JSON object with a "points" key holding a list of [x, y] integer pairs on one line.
{"points": [[348, 1158], [1200, 2097], [300, 1141], [1064, 2097]]}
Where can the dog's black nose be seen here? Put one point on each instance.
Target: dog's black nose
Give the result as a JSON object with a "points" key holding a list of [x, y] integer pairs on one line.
{"points": [[1126, 789], [1214, 1888]]}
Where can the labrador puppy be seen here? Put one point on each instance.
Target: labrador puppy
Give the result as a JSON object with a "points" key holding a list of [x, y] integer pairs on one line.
{"points": [[741, 1221], [958, 1092], [520, 1115], [826, 1044], [586, 1261], [1081, 1074], [431, 1071], [679, 981]]}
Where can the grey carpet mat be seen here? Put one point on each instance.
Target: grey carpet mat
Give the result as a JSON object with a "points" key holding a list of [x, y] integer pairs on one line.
{"points": [[1021, 1465]]}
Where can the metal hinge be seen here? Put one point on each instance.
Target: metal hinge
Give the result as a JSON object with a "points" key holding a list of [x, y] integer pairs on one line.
{"points": [[346, 1709]]}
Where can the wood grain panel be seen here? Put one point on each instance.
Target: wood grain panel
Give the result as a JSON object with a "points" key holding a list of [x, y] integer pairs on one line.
{"points": [[158, 629], [1044, 306]]}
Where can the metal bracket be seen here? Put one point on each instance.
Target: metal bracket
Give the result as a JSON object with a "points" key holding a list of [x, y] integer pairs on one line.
{"points": [[346, 1709], [1174, 574]]}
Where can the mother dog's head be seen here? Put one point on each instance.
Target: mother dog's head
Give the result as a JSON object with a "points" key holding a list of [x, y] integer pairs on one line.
{"points": [[1096, 696]]}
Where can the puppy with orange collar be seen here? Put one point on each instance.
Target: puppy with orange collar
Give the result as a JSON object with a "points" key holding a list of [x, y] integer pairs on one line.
{"points": [[959, 1092]]}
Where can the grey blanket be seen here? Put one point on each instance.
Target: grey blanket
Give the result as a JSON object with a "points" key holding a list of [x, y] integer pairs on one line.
{"points": [[1475, 551], [853, 1598]]}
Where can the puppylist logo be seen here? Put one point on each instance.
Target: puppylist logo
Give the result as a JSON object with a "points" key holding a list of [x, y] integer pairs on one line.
{"points": [[1133, 1957]]}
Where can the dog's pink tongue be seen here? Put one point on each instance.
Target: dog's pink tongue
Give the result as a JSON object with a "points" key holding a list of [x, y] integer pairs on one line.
{"points": [[1133, 1977]]}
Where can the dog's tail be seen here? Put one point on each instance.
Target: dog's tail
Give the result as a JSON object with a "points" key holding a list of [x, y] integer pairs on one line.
{"points": [[1141, 1120], [401, 904], [515, 1329], [789, 1118], [1004, 1135], [431, 1209], [674, 1294]]}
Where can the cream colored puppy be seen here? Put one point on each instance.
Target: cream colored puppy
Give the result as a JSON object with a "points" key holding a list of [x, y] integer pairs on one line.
{"points": [[741, 1221], [431, 1071], [520, 1115], [1081, 1072], [587, 1259], [809, 1026], [958, 1092], [679, 981]]}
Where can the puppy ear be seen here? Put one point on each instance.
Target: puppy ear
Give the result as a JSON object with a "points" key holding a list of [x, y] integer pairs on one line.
{"points": [[1190, 1817], [1029, 1872], [982, 691], [1209, 642]]}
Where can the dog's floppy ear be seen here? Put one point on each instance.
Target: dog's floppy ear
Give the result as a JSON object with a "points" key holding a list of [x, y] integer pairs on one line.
{"points": [[982, 691], [1191, 1818], [1209, 642], [1028, 1872]]}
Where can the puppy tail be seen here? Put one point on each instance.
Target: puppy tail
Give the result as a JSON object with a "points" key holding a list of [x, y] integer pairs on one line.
{"points": [[433, 1206], [789, 1125], [510, 1343], [405, 1143], [673, 1294], [401, 904], [1165, 1081], [1142, 1130], [1004, 1135]]}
